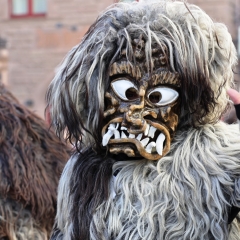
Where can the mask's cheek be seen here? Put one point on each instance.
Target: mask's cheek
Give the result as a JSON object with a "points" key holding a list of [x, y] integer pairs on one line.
{"points": [[169, 116], [111, 104]]}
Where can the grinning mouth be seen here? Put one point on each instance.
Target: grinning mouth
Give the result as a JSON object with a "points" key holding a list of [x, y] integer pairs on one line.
{"points": [[153, 143]]}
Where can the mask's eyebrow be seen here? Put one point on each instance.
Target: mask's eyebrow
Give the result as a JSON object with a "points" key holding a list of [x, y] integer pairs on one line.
{"points": [[165, 77], [125, 68]]}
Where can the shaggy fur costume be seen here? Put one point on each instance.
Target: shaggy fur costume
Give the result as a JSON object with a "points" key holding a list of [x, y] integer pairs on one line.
{"points": [[31, 160], [192, 191], [185, 195]]}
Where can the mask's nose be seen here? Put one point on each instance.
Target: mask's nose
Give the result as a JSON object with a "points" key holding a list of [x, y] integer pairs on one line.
{"points": [[134, 114], [134, 117]]}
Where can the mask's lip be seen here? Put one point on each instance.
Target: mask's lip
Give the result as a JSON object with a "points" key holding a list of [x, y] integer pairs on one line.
{"points": [[150, 156]]}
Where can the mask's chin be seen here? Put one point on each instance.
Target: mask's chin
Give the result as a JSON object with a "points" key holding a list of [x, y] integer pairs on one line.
{"points": [[124, 157], [152, 144]]}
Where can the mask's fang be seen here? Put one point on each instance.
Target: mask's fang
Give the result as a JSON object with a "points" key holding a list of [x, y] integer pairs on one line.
{"points": [[131, 136], [107, 137], [146, 130], [152, 131], [123, 135], [159, 143], [145, 141], [150, 146], [139, 137]]}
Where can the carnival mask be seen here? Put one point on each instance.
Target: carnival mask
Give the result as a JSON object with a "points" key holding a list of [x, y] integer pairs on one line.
{"points": [[142, 110]]}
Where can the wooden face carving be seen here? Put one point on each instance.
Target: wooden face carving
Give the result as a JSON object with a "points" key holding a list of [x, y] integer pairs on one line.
{"points": [[142, 111]]}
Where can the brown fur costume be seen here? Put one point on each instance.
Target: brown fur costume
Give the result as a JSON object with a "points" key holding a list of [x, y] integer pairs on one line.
{"points": [[31, 160]]}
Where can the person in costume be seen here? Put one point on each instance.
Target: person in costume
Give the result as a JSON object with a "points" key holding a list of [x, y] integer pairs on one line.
{"points": [[32, 158], [141, 98]]}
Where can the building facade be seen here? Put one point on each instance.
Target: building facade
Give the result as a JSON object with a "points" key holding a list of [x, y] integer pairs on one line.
{"points": [[32, 44], [35, 35]]}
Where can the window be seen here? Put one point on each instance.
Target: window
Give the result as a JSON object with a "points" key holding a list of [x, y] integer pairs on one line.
{"points": [[28, 8]]}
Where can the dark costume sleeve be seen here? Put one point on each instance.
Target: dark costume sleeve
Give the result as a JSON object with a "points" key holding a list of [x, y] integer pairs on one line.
{"points": [[234, 210], [237, 107]]}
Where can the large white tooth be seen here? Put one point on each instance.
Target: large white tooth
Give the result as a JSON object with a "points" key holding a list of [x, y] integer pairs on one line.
{"points": [[131, 136], [145, 141], [139, 137], [113, 127], [150, 146], [152, 130], [159, 143], [146, 130], [123, 128], [123, 135], [116, 134], [107, 137]]}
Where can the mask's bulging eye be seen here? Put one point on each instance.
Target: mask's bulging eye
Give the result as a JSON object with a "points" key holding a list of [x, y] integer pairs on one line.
{"points": [[162, 96], [125, 89]]}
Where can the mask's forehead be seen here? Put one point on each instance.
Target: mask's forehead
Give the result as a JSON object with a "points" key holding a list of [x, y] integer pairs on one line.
{"points": [[146, 63]]}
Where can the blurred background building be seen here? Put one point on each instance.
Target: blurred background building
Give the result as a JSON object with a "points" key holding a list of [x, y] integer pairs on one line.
{"points": [[35, 35]]}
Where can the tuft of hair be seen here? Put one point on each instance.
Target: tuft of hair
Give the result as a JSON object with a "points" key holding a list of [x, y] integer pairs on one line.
{"points": [[31, 160], [83, 187], [200, 50]]}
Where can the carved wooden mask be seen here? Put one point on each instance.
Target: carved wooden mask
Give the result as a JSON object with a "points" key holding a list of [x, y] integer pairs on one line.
{"points": [[142, 110]]}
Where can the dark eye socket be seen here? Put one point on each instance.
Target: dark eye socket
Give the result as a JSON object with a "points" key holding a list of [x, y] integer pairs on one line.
{"points": [[131, 94], [155, 97]]}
